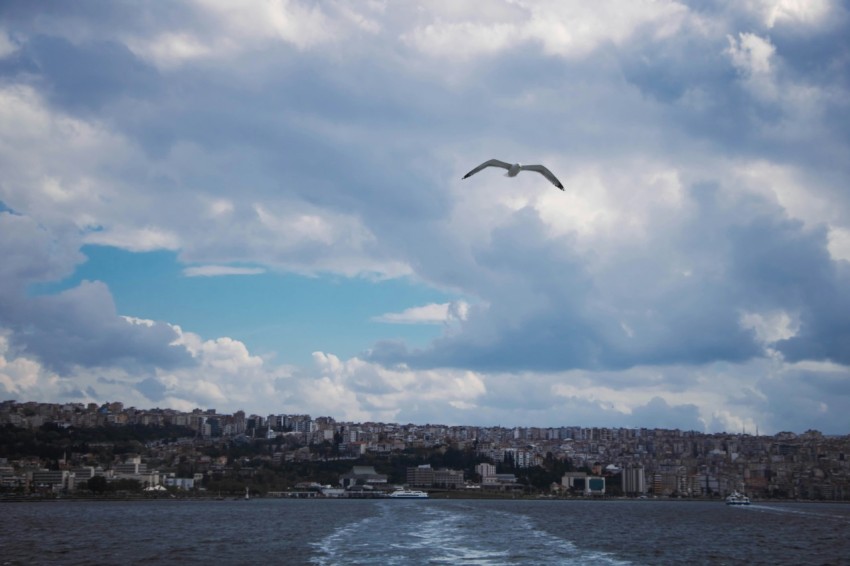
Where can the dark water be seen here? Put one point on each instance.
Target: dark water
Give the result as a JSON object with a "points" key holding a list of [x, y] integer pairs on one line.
{"points": [[494, 532]]}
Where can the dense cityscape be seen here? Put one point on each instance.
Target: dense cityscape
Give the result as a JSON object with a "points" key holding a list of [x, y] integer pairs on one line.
{"points": [[52, 450]]}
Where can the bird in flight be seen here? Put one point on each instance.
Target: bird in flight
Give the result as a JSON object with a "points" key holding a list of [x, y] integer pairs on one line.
{"points": [[514, 169]]}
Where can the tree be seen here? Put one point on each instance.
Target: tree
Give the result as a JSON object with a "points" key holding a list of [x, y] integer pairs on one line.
{"points": [[126, 484], [97, 484]]}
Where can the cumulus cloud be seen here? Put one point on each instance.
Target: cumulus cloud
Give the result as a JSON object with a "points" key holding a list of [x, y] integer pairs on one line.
{"points": [[33, 254], [753, 57], [72, 172], [230, 29], [778, 12], [222, 373], [217, 270], [355, 388], [78, 326], [704, 225], [434, 313], [570, 29], [7, 45]]}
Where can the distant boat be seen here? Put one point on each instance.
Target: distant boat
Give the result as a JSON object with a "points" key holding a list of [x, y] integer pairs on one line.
{"points": [[408, 494], [736, 498]]}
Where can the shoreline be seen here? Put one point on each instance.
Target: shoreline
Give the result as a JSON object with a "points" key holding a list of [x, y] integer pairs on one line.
{"points": [[432, 496]]}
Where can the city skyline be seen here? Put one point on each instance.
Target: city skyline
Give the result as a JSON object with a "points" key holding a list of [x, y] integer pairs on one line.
{"points": [[261, 205], [156, 416], [678, 462]]}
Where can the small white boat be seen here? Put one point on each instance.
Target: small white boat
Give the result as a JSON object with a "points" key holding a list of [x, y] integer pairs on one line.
{"points": [[736, 498], [408, 494]]}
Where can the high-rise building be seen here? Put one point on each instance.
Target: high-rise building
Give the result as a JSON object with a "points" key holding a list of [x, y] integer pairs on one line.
{"points": [[485, 470], [420, 475], [634, 480]]}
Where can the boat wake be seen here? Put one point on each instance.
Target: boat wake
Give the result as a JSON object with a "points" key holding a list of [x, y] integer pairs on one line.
{"points": [[450, 533], [801, 512]]}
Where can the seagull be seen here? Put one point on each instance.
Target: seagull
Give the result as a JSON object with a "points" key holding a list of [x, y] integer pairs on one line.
{"points": [[513, 170]]}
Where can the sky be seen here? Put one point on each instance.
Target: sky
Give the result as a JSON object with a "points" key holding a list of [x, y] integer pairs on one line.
{"points": [[260, 206]]}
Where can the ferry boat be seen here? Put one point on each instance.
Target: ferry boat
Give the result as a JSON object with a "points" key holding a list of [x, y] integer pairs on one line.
{"points": [[736, 498], [408, 494]]}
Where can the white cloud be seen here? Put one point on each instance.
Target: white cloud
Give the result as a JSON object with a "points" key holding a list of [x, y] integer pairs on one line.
{"points": [[729, 397], [570, 29], [329, 138], [141, 239], [170, 49], [218, 270], [434, 313], [231, 28], [51, 160], [754, 58], [298, 227], [357, 388], [140, 321], [61, 168], [576, 28], [464, 39], [801, 195], [839, 243], [770, 327], [220, 207], [805, 12], [19, 375], [751, 54], [7, 45]]}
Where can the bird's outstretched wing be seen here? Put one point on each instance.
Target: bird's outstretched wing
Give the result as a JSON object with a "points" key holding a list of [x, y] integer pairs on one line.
{"points": [[491, 163], [545, 172]]}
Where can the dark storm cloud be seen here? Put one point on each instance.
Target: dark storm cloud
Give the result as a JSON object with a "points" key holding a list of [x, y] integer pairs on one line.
{"points": [[824, 323], [694, 83], [85, 77], [376, 130], [786, 266], [80, 327], [95, 17], [804, 400], [662, 415], [549, 314], [152, 389], [535, 288], [32, 254], [704, 97]]}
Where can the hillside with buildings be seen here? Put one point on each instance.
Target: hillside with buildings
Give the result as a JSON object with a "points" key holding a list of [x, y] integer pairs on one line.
{"points": [[49, 449]]}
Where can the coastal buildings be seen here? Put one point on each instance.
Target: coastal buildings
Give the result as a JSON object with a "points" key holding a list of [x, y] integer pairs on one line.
{"points": [[425, 476], [363, 476], [581, 482], [633, 462], [633, 480]]}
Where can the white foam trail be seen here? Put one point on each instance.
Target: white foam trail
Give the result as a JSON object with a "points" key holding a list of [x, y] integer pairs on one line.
{"points": [[791, 511], [340, 539], [416, 533], [565, 548], [448, 541]]}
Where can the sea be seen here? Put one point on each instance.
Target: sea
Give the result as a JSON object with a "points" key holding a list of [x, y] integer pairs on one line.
{"points": [[412, 532]]}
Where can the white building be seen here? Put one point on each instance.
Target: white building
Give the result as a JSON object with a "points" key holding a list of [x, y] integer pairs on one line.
{"points": [[633, 480], [185, 484], [485, 470]]}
